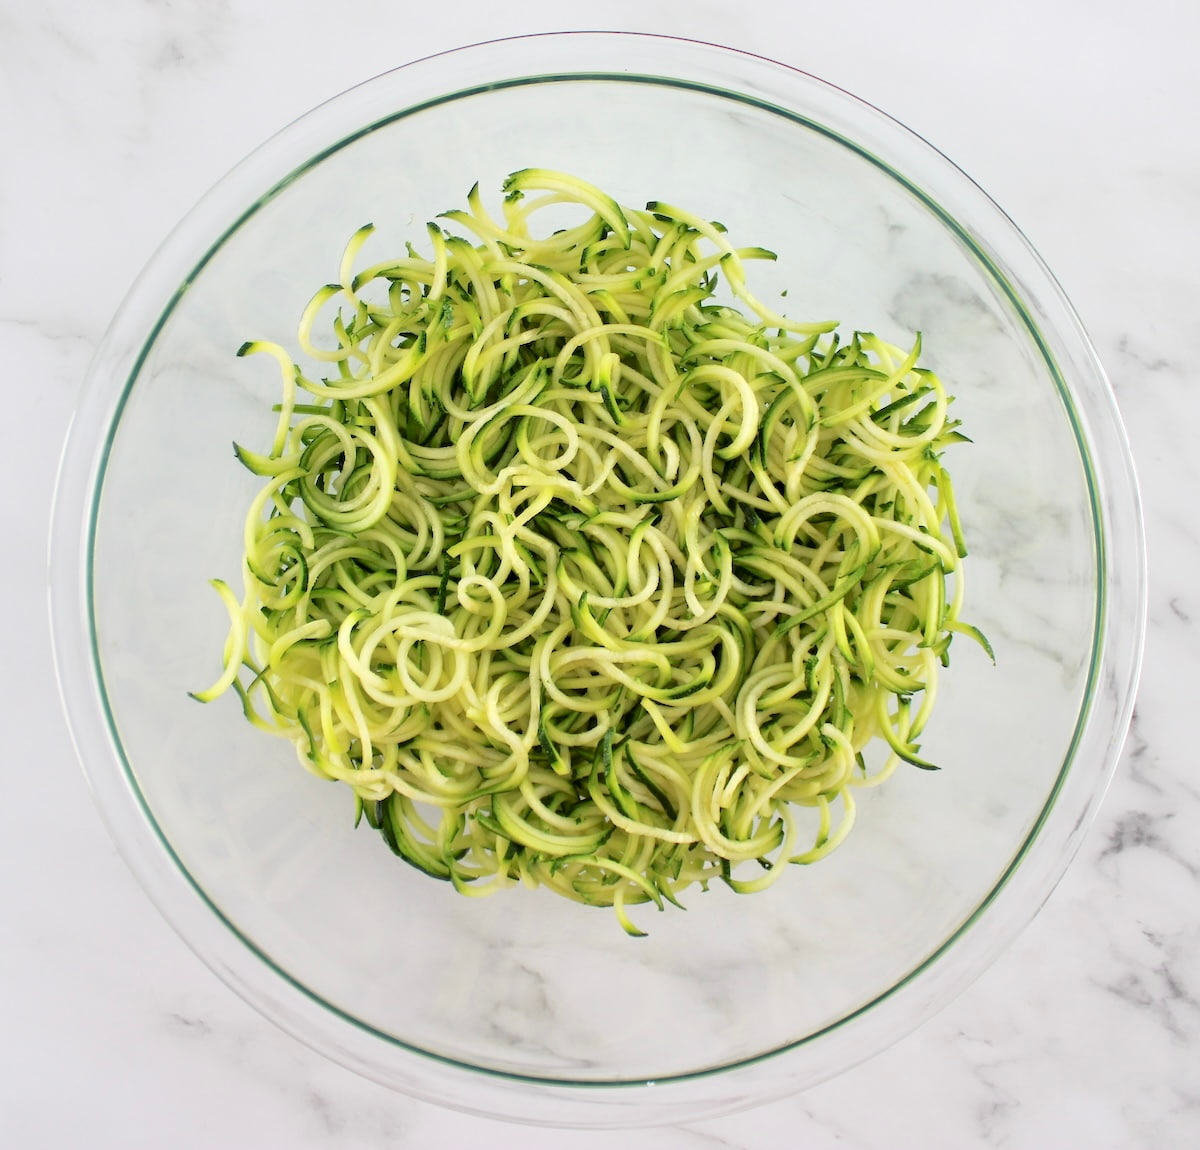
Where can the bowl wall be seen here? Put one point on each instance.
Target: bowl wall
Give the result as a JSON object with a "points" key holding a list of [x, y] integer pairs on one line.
{"points": [[381, 966]]}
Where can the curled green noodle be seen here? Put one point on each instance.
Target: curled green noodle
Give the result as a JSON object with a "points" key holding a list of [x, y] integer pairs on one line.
{"points": [[581, 578]]}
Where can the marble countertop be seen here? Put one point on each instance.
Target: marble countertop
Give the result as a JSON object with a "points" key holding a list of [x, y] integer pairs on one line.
{"points": [[117, 115]]}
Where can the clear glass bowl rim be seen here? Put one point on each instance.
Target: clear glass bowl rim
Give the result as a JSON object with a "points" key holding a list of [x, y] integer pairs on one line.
{"points": [[1104, 716]]}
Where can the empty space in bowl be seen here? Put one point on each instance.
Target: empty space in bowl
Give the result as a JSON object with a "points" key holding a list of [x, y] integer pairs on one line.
{"points": [[524, 982]]}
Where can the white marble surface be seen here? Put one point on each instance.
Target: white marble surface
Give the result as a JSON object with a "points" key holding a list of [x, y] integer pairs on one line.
{"points": [[1079, 119]]}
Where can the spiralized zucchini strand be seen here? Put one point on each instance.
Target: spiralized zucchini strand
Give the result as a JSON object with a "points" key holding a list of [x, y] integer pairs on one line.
{"points": [[581, 577]]}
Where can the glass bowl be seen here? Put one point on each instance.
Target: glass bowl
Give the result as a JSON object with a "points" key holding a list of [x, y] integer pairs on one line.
{"points": [[525, 1006]]}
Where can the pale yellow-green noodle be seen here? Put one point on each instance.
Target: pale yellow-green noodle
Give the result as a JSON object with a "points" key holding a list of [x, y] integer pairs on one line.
{"points": [[581, 577]]}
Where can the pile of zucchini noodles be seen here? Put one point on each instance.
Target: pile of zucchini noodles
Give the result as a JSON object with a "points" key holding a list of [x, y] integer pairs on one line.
{"points": [[579, 577]]}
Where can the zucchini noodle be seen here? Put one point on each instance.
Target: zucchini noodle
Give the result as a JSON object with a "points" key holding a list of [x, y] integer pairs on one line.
{"points": [[581, 578]]}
